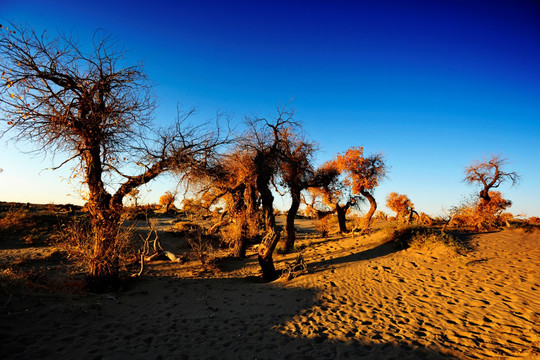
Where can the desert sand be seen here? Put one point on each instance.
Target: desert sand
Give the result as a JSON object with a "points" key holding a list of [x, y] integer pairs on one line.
{"points": [[362, 298]]}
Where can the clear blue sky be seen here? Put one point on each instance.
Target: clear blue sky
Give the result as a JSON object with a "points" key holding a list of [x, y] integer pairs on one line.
{"points": [[432, 84]]}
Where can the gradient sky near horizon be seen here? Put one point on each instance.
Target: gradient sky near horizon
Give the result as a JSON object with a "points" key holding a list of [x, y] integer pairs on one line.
{"points": [[432, 85]]}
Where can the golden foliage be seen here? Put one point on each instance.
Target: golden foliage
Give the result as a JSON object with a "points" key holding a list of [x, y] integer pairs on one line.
{"points": [[167, 199], [481, 214], [363, 173], [400, 204]]}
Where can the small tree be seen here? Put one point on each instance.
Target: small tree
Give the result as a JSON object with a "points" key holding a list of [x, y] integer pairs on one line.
{"points": [[401, 205], [334, 193], [363, 174], [167, 200], [489, 174]]}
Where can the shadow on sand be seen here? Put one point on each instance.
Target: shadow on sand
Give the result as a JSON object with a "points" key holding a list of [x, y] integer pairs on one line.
{"points": [[167, 318]]}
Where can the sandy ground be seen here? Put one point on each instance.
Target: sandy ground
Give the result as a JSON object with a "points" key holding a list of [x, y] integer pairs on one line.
{"points": [[361, 299]]}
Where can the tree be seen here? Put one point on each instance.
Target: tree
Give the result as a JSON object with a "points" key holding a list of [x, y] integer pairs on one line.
{"points": [[167, 200], [335, 195], [401, 205], [297, 174], [264, 139], [94, 110], [363, 174], [489, 174], [232, 180]]}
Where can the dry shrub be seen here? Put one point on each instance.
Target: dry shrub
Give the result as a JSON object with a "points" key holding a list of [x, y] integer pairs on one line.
{"points": [[78, 240], [30, 226], [482, 215], [203, 246], [420, 237], [187, 229], [381, 215], [533, 220], [137, 212], [322, 226]]}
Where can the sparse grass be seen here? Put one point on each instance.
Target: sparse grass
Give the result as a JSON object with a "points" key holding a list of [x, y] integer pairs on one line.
{"points": [[421, 237], [31, 227]]}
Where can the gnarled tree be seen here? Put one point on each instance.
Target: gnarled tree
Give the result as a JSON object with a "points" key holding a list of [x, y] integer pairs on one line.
{"points": [[265, 139], [91, 108], [332, 194], [489, 174], [401, 205], [297, 174], [363, 174]]}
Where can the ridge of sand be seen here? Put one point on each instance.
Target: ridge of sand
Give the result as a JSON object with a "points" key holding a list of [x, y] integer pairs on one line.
{"points": [[360, 299]]}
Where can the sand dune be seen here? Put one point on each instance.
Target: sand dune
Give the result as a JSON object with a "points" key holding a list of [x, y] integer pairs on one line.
{"points": [[361, 299]]}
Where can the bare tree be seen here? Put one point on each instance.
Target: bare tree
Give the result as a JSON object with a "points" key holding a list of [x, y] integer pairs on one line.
{"points": [[489, 174], [91, 108]]}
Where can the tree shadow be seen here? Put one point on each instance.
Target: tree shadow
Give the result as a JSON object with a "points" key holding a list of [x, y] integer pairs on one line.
{"points": [[379, 250], [168, 318]]}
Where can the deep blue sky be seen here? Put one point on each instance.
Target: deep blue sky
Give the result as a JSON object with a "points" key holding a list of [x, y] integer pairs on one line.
{"points": [[433, 85]]}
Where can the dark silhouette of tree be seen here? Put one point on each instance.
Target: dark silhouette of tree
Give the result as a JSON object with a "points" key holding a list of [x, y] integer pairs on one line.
{"points": [[93, 109], [489, 174]]}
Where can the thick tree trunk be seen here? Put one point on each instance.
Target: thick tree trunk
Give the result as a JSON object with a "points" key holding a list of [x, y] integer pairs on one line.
{"points": [[266, 249], [239, 211], [105, 218], [104, 264], [291, 215], [372, 206], [341, 212], [267, 201]]}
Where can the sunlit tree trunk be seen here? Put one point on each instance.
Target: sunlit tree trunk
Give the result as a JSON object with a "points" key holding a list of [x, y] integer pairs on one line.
{"points": [[372, 206]]}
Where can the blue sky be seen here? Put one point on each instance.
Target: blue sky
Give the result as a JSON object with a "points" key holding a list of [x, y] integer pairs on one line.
{"points": [[432, 85]]}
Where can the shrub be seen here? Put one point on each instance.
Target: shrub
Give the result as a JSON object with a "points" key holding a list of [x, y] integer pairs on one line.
{"points": [[418, 237], [480, 214], [77, 238], [30, 226]]}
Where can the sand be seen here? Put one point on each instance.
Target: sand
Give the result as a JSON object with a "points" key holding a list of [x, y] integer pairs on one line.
{"points": [[361, 299]]}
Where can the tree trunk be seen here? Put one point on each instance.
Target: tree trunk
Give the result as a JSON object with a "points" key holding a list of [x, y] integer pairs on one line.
{"points": [[105, 219], [267, 200], [239, 211], [291, 215], [341, 212], [372, 206], [266, 248], [104, 264]]}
